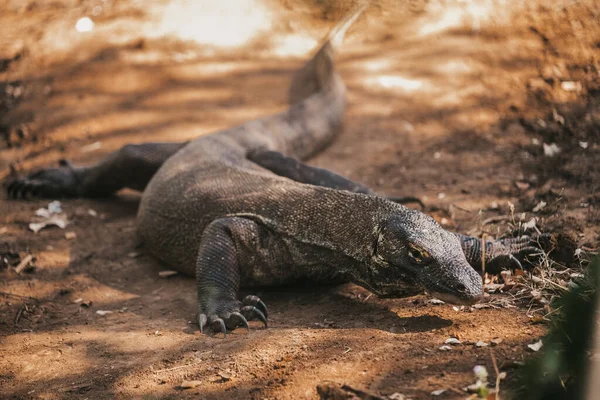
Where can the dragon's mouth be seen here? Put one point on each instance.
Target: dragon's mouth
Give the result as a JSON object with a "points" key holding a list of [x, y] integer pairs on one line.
{"points": [[454, 299], [393, 290]]}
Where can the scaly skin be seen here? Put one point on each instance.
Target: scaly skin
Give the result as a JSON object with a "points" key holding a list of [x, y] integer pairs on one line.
{"points": [[236, 208]]}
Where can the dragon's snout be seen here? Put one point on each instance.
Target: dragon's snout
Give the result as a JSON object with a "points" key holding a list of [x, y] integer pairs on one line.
{"points": [[457, 284]]}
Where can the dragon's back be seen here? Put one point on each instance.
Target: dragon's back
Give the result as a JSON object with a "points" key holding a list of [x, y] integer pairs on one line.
{"points": [[211, 177], [207, 179]]}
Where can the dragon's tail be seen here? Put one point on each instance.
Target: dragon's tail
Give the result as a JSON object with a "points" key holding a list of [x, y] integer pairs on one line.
{"points": [[319, 73], [317, 95]]}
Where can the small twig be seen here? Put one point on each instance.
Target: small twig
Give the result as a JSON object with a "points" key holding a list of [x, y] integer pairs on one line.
{"points": [[18, 317], [175, 368], [546, 280], [552, 312], [460, 208], [458, 392], [79, 388], [18, 296], [184, 366], [23, 264], [497, 374], [496, 219]]}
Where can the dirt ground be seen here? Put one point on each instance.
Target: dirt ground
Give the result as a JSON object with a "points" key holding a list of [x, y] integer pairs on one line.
{"points": [[456, 102]]}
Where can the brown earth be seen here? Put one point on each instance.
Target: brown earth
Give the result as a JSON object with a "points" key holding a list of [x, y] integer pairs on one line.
{"points": [[449, 101]]}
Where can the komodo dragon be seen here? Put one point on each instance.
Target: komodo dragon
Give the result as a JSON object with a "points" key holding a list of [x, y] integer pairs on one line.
{"points": [[237, 208]]}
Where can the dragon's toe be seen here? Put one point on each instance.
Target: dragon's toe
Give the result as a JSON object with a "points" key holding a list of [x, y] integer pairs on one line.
{"points": [[233, 315], [255, 301], [25, 188], [47, 183], [251, 312]]}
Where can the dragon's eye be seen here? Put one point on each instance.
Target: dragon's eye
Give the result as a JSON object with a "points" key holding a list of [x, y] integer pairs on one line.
{"points": [[419, 255]]}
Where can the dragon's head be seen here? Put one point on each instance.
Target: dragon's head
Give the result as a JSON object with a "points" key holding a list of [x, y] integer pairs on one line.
{"points": [[410, 251]]}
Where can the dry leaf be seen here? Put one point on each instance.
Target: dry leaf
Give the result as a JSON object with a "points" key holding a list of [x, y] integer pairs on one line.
{"points": [[190, 384], [536, 346], [396, 396], [55, 220], [225, 376], [571, 86], [51, 216], [539, 206], [493, 287], [522, 185], [557, 117], [531, 224], [436, 301], [91, 147], [550, 150], [70, 235]]}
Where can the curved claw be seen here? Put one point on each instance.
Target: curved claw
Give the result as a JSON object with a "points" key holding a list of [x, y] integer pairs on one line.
{"points": [[514, 260], [252, 312], [239, 320], [13, 188], [202, 319], [50, 182], [255, 301], [20, 188], [262, 307], [261, 316], [220, 324], [26, 189]]}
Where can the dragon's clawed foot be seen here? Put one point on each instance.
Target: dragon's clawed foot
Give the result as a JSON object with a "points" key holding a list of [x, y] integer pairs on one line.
{"points": [[233, 314], [508, 253], [47, 183]]}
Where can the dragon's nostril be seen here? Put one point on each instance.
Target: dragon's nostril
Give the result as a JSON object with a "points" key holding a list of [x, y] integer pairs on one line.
{"points": [[461, 287]]}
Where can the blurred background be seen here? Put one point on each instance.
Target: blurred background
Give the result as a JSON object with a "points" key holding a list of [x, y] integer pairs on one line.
{"points": [[489, 111]]}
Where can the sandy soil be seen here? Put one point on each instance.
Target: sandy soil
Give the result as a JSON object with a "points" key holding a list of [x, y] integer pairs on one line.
{"points": [[449, 101]]}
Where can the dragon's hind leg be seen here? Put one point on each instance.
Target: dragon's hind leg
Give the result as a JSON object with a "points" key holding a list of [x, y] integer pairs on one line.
{"points": [[294, 169], [130, 167], [298, 171]]}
